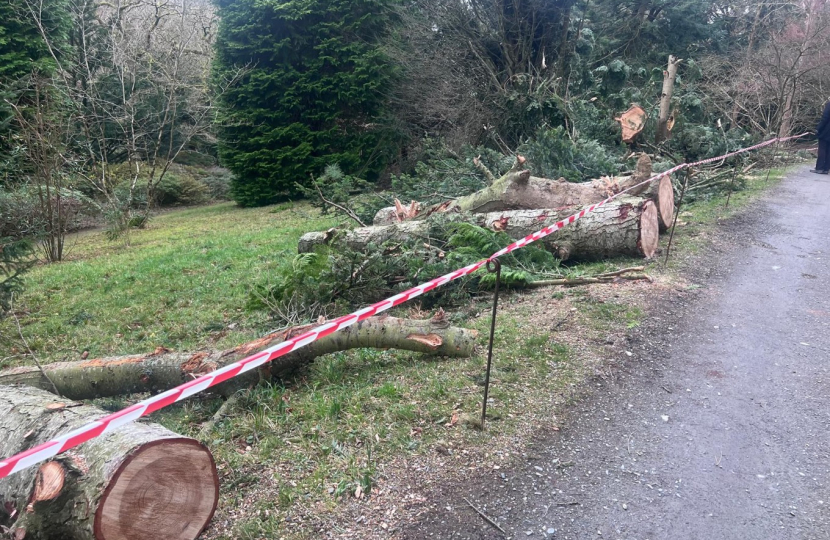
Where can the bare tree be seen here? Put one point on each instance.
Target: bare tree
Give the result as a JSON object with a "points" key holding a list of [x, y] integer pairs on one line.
{"points": [[42, 137], [137, 74], [776, 85]]}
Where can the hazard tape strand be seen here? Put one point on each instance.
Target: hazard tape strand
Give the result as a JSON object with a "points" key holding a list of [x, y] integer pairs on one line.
{"points": [[132, 413]]}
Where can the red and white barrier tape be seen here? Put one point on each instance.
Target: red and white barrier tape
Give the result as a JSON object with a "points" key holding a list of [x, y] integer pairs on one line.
{"points": [[110, 422]]}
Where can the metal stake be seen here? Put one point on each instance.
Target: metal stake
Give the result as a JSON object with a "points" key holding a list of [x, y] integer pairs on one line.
{"points": [[677, 213], [493, 265], [731, 185], [774, 154]]}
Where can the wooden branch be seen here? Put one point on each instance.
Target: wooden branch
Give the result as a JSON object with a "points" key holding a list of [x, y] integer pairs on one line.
{"points": [[484, 170], [567, 282], [343, 209], [486, 518]]}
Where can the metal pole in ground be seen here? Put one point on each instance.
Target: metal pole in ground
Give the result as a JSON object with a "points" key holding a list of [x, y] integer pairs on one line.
{"points": [[677, 213], [731, 184], [772, 163], [493, 265]]}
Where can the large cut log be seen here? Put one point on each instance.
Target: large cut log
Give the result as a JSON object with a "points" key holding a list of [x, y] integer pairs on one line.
{"points": [[136, 482], [624, 226], [162, 369], [517, 190]]}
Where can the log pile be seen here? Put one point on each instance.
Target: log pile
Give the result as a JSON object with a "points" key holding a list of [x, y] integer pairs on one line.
{"points": [[519, 204]]}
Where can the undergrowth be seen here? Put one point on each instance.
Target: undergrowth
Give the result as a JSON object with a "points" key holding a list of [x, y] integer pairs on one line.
{"points": [[334, 280]]}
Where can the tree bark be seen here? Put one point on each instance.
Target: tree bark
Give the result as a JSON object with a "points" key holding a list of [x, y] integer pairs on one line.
{"points": [[162, 369], [669, 76], [516, 191], [138, 481], [625, 226]]}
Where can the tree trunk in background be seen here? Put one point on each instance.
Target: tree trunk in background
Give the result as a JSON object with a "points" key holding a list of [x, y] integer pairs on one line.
{"points": [[624, 226], [138, 481], [669, 76], [162, 370], [733, 117]]}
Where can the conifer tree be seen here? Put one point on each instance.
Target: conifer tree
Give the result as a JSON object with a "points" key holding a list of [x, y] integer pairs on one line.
{"points": [[14, 260], [23, 52], [312, 96]]}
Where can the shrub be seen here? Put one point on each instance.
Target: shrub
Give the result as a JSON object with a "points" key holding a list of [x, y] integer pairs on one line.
{"points": [[180, 189], [218, 183], [22, 214], [180, 186]]}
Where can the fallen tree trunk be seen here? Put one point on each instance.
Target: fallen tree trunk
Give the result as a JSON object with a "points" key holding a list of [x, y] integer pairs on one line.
{"points": [[138, 481], [625, 226], [517, 190], [162, 369]]}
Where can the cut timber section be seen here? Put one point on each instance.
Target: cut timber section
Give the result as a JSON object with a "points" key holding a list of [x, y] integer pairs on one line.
{"points": [[520, 191], [162, 369], [624, 226], [136, 482]]}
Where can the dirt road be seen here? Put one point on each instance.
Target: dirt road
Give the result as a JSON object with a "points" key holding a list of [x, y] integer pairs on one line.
{"points": [[717, 428]]}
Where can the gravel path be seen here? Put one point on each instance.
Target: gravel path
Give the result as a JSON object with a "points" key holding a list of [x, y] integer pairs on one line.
{"points": [[718, 426]]}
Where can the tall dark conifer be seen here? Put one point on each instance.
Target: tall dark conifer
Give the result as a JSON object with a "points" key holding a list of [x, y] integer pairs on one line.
{"points": [[23, 52], [312, 96]]}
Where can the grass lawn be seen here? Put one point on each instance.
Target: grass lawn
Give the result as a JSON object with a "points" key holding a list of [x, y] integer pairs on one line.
{"points": [[183, 284], [290, 454]]}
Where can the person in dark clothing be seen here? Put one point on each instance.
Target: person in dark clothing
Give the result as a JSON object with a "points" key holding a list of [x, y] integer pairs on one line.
{"points": [[823, 134]]}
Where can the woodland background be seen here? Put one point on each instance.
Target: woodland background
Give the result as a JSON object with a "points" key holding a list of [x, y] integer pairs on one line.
{"points": [[113, 108]]}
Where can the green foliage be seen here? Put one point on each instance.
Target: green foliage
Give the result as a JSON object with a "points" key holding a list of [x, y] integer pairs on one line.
{"points": [[217, 182], [15, 258], [441, 173], [696, 141], [345, 191], [180, 190], [552, 154], [22, 53], [333, 281], [22, 214], [181, 185], [312, 95]]}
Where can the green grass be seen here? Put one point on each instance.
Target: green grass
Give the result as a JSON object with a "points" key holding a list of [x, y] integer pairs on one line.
{"points": [[182, 284]]}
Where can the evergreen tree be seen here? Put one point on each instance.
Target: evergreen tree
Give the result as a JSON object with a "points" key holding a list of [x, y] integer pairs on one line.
{"points": [[15, 258], [22, 53], [312, 96]]}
